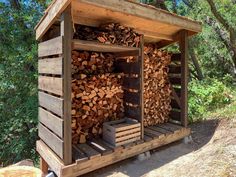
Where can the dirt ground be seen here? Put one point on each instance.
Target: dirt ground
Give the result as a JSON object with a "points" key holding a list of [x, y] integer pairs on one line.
{"points": [[211, 154]]}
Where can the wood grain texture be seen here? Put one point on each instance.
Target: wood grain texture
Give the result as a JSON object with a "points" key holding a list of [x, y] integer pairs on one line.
{"points": [[50, 84], [50, 157], [50, 17], [50, 47], [50, 66], [67, 33], [183, 43], [55, 143], [100, 47], [53, 122], [51, 103]]}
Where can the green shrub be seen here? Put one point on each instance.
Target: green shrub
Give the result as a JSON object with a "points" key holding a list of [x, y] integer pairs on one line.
{"points": [[206, 95]]}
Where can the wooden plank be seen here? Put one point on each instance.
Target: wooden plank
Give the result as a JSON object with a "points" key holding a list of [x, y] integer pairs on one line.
{"points": [[133, 112], [133, 135], [88, 150], [132, 97], [174, 69], [128, 141], [127, 53], [50, 157], [55, 143], [134, 15], [175, 125], [50, 66], [141, 61], [153, 132], [53, 122], [175, 115], [175, 80], [169, 128], [147, 138], [67, 33], [176, 57], [129, 131], [78, 155], [132, 83], [128, 68], [158, 129], [43, 166], [174, 104], [100, 147], [50, 47], [99, 47], [50, 84], [121, 154], [51, 103], [50, 17], [183, 43]]}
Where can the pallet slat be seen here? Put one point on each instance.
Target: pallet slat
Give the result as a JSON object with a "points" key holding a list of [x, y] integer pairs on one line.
{"points": [[100, 47], [78, 155], [88, 150], [132, 83], [53, 122], [51, 84], [51, 103], [100, 147], [50, 66], [50, 47], [55, 143]]}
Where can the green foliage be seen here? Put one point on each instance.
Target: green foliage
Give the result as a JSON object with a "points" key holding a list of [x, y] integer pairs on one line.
{"points": [[18, 83], [207, 95]]}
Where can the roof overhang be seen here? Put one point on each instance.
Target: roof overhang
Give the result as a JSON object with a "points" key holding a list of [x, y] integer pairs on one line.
{"points": [[155, 24]]}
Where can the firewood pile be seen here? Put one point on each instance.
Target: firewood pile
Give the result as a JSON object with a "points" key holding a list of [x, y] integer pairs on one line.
{"points": [[97, 94], [157, 88], [111, 33]]}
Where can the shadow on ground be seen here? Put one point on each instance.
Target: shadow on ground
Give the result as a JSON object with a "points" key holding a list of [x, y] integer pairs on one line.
{"points": [[202, 133]]}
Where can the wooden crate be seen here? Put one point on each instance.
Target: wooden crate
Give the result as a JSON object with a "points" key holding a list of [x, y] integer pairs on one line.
{"points": [[122, 131]]}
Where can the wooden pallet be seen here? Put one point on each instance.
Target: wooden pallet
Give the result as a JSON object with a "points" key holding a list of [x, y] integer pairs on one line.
{"points": [[97, 153]]}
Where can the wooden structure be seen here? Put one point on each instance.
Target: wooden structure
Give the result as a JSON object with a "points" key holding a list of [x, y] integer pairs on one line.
{"points": [[55, 33]]}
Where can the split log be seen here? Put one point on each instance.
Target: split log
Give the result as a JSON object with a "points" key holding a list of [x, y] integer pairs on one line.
{"points": [[157, 88], [111, 33], [95, 100]]}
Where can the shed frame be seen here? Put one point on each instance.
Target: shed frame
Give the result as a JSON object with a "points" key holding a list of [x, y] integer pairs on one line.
{"points": [[55, 32]]}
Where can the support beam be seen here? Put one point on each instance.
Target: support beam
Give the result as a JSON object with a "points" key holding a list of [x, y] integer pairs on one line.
{"points": [[66, 32], [183, 44], [43, 166]]}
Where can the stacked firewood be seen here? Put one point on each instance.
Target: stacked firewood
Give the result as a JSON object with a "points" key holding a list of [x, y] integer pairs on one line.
{"points": [[112, 33], [97, 94], [84, 62], [157, 88]]}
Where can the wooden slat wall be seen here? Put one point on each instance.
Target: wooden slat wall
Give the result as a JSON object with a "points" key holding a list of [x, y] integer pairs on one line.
{"points": [[50, 66], [178, 74], [51, 100]]}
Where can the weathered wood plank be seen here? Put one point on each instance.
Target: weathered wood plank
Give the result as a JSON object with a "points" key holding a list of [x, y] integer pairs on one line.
{"points": [[78, 155], [88, 150], [128, 68], [53, 122], [50, 66], [50, 47], [67, 32], [132, 83], [132, 97], [183, 43], [55, 143], [50, 157], [175, 80], [50, 84], [100, 147], [175, 115], [133, 112], [176, 57], [50, 17], [174, 69], [51, 103], [99, 47]]}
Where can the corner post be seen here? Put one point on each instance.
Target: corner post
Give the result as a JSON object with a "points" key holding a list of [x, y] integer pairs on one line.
{"points": [[43, 166], [141, 60], [66, 32], [183, 44]]}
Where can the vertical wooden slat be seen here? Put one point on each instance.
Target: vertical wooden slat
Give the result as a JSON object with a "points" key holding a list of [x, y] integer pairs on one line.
{"points": [[141, 60], [183, 43], [66, 32]]}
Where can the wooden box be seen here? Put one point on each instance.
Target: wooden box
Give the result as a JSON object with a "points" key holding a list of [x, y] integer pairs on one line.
{"points": [[122, 131]]}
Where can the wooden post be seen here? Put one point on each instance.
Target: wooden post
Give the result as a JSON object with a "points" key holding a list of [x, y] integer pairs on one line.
{"points": [[43, 166], [141, 58], [66, 32], [183, 44]]}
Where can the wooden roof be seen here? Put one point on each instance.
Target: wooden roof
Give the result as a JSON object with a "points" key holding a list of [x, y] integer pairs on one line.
{"points": [[155, 24]]}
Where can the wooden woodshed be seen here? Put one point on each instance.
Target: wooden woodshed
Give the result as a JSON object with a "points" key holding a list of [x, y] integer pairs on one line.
{"points": [[55, 35]]}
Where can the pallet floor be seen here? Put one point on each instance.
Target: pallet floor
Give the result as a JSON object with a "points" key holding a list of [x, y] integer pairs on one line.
{"points": [[97, 153]]}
